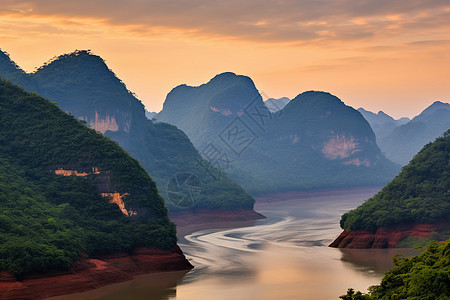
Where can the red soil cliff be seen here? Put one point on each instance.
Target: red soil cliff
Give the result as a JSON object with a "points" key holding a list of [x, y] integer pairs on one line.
{"points": [[384, 237], [92, 273]]}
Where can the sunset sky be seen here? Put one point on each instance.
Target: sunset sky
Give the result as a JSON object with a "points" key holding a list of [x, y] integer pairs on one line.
{"points": [[390, 55]]}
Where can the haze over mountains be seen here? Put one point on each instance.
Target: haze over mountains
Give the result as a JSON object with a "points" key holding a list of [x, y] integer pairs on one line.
{"points": [[82, 84], [381, 123], [400, 141], [66, 189], [315, 141]]}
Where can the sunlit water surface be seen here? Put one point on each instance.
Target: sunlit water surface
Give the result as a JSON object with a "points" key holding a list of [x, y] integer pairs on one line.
{"points": [[285, 256]]}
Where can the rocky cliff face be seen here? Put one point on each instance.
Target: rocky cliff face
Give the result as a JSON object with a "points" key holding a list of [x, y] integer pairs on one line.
{"points": [[340, 146], [103, 185], [105, 123], [385, 237]]}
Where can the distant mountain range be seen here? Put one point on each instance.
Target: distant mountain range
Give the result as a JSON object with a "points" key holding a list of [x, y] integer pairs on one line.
{"points": [[381, 123], [81, 84], [400, 140], [315, 141]]}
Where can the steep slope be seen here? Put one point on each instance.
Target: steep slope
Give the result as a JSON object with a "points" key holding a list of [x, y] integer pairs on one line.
{"points": [[67, 192], [219, 119], [81, 84], [415, 203], [323, 122], [316, 141], [406, 140], [203, 112], [381, 123], [10, 70], [376, 118], [321, 142]]}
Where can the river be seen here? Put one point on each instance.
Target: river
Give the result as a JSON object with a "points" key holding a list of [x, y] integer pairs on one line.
{"points": [[285, 256]]}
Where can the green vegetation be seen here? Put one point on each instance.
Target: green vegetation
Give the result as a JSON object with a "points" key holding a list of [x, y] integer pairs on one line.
{"points": [[82, 84], [47, 221], [419, 194], [165, 151], [415, 242], [422, 277], [292, 149]]}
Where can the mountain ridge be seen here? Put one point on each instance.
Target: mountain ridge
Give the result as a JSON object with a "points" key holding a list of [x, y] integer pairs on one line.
{"points": [[225, 103], [68, 193], [83, 85], [404, 141]]}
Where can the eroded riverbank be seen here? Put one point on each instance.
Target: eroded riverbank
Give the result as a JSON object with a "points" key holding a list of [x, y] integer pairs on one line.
{"points": [[284, 256]]}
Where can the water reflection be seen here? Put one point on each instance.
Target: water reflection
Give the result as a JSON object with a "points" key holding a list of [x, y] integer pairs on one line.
{"points": [[285, 256], [156, 286], [377, 261]]}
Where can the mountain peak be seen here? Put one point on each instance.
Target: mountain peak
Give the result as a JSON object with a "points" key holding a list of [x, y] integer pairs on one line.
{"points": [[230, 78], [224, 75], [382, 113], [82, 67], [439, 104], [222, 80], [79, 58], [315, 98], [320, 95], [432, 109], [376, 118]]}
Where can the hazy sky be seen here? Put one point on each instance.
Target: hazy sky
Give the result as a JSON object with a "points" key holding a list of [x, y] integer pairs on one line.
{"points": [[392, 55]]}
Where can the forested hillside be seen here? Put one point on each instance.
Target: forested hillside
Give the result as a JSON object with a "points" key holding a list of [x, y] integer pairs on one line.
{"points": [[47, 220], [81, 83], [419, 194]]}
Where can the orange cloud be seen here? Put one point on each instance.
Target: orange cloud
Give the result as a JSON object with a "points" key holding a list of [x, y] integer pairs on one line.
{"points": [[287, 21], [382, 54]]}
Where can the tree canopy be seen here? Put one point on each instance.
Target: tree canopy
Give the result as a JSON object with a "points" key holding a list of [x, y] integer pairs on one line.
{"points": [[419, 194], [47, 221]]}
